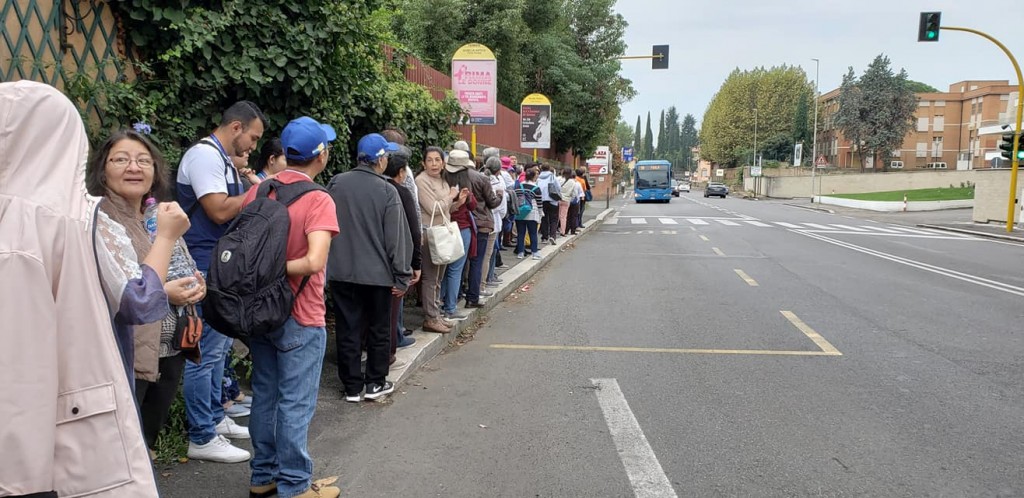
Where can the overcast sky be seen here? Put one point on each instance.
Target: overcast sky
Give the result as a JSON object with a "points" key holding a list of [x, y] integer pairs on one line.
{"points": [[710, 38]]}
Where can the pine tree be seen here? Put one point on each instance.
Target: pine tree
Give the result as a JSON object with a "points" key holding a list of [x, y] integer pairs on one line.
{"points": [[648, 140], [638, 139]]}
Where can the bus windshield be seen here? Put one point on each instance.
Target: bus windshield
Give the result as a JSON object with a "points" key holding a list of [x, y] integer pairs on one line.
{"points": [[652, 179]]}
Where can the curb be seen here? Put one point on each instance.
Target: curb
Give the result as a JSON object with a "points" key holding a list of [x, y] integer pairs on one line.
{"points": [[429, 344], [973, 232], [811, 208]]}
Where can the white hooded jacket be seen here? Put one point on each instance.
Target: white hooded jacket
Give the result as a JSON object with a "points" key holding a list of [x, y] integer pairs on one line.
{"points": [[69, 418]]}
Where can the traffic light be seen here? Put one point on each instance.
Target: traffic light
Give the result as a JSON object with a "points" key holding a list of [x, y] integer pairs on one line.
{"points": [[1007, 147], [660, 57], [928, 29]]}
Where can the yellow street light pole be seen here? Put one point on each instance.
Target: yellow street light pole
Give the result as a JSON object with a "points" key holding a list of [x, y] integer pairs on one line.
{"points": [[1015, 162]]}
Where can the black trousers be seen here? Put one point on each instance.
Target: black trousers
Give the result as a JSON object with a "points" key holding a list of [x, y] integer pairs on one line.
{"points": [[155, 398], [362, 307], [549, 224]]}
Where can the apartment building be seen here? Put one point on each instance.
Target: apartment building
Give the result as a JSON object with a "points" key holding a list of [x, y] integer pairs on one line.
{"points": [[958, 129]]}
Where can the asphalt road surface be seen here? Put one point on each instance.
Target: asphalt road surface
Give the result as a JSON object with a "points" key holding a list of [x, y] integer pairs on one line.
{"points": [[716, 347]]}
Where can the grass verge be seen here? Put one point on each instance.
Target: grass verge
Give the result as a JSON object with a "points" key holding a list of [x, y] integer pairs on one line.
{"points": [[925, 194]]}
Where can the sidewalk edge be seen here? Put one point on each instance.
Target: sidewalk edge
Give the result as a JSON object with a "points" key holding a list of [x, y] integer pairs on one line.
{"points": [[972, 232]]}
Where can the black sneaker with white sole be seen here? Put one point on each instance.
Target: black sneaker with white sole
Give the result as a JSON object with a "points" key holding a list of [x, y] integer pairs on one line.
{"points": [[375, 391]]}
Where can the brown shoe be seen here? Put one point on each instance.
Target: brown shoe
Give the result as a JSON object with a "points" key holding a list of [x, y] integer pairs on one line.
{"points": [[264, 491], [322, 489], [436, 326]]}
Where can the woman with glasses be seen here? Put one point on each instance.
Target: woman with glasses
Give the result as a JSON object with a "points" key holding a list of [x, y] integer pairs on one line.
{"points": [[144, 273]]}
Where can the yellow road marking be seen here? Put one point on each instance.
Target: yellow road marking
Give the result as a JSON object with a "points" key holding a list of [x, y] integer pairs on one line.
{"points": [[615, 349], [703, 237], [746, 278], [811, 334], [718, 251]]}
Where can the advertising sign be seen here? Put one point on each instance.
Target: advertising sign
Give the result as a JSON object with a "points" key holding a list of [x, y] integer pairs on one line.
{"points": [[798, 154], [627, 154], [600, 164], [475, 83], [535, 122]]}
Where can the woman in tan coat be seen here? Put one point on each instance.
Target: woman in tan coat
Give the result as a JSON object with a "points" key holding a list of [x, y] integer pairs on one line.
{"points": [[70, 423]]}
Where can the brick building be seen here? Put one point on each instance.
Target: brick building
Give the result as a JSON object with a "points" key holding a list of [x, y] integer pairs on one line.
{"points": [[958, 129]]}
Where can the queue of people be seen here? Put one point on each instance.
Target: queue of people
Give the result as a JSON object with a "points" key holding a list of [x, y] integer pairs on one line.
{"points": [[137, 279]]}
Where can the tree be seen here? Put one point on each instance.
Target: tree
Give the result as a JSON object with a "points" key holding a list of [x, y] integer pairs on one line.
{"points": [[660, 148], [918, 87], [648, 140], [728, 125], [876, 111], [623, 134], [688, 138], [638, 139]]}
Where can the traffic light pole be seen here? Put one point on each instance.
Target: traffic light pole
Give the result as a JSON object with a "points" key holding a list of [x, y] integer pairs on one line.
{"points": [[1015, 162]]}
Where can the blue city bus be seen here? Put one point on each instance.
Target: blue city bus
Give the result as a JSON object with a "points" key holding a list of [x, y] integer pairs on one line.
{"points": [[652, 181]]}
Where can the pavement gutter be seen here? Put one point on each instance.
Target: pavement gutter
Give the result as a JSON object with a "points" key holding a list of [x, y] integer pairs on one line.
{"points": [[429, 344], [811, 208], [978, 233]]}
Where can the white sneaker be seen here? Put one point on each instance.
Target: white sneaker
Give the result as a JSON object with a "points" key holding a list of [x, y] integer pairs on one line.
{"points": [[398, 365], [219, 449], [237, 410], [229, 428]]}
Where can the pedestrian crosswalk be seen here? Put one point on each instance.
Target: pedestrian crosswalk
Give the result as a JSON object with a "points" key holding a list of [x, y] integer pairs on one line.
{"points": [[876, 229]]}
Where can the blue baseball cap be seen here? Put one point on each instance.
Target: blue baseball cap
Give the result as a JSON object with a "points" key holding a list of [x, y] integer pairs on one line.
{"points": [[373, 147], [303, 139]]}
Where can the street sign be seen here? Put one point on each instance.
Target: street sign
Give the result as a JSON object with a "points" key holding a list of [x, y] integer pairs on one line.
{"points": [[475, 83], [719, 172], [627, 154], [755, 171], [535, 122], [821, 162]]}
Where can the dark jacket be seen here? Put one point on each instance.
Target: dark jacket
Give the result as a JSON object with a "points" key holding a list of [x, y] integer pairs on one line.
{"points": [[374, 246], [487, 199], [412, 209]]}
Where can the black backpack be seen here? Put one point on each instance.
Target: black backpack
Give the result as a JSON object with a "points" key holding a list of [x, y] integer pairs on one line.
{"points": [[554, 191], [247, 291]]}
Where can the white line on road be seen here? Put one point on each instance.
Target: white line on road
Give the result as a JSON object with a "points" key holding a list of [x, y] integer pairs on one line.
{"points": [[848, 227], [718, 251], [788, 225], [638, 221], [757, 223], [729, 223], [913, 230], [696, 221], [884, 230], [704, 238], [974, 279], [668, 221], [819, 227], [611, 221], [642, 465]]}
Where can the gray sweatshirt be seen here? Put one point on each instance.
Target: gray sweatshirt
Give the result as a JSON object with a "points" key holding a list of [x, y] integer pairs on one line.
{"points": [[374, 246]]}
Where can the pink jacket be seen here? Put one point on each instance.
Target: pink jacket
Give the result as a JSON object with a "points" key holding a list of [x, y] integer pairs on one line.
{"points": [[69, 422]]}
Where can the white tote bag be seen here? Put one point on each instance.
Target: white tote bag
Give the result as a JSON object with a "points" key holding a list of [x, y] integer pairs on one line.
{"points": [[445, 240]]}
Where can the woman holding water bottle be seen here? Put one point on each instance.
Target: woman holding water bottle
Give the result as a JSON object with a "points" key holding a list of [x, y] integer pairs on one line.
{"points": [[149, 268]]}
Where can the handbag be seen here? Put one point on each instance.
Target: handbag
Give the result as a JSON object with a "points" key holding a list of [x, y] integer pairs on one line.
{"points": [[587, 196], [444, 240], [188, 330]]}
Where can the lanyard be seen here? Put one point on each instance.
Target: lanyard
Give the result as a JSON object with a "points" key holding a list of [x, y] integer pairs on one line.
{"points": [[227, 162]]}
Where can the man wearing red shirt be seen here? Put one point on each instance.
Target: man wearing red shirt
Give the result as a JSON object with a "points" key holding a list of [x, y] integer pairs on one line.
{"points": [[287, 362]]}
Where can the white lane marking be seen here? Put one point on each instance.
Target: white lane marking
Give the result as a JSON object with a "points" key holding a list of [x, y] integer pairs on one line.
{"points": [[669, 232], [912, 230], [852, 229], [884, 230], [729, 223], [638, 221], [668, 221], [966, 277], [788, 225], [611, 221], [696, 221], [757, 223], [819, 227], [642, 465]]}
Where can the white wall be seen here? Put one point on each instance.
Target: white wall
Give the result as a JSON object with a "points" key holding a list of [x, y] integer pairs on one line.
{"points": [[857, 183]]}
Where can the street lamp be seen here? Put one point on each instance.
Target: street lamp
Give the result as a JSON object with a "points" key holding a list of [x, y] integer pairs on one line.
{"points": [[814, 148]]}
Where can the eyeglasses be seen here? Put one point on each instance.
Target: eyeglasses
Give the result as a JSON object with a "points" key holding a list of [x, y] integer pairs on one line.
{"points": [[123, 162]]}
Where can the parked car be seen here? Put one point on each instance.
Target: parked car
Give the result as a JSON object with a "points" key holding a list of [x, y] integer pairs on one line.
{"points": [[684, 186], [675, 188], [716, 189]]}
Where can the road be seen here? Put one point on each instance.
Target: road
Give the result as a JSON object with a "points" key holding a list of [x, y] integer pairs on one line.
{"points": [[718, 347]]}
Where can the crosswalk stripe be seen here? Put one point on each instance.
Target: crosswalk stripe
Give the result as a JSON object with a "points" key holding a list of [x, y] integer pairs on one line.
{"points": [[883, 230], [638, 221], [819, 227], [668, 221], [848, 227], [696, 221], [757, 223], [912, 230], [787, 225], [729, 223], [611, 221]]}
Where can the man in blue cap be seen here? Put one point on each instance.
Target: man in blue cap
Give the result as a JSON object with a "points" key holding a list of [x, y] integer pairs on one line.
{"points": [[287, 362], [369, 263]]}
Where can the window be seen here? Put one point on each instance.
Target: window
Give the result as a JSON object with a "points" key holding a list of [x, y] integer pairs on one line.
{"points": [[937, 147], [896, 165], [922, 124], [939, 123], [922, 149], [936, 165], [940, 103]]}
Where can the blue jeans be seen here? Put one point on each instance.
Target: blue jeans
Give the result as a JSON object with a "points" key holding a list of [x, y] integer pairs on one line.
{"points": [[453, 276], [476, 268], [203, 383], [285, 381], [522, 226]]}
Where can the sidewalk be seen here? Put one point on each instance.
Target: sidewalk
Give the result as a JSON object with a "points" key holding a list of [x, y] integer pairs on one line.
{"points": [[203, 479], [988, 230]]}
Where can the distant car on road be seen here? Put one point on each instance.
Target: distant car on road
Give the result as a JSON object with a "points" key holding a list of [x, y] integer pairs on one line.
{"points": [[675, 188], [684, 187], [716, 189]]}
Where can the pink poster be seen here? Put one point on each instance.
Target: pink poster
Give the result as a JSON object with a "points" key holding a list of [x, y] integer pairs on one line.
{"points": [[475, 85]]}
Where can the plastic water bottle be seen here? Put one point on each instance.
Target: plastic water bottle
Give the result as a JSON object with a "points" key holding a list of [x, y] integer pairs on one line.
{"points": [[150, 217]]}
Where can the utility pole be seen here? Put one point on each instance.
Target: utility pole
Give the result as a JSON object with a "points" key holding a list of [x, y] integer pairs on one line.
{"points": [[814, 148], [755, 137]]}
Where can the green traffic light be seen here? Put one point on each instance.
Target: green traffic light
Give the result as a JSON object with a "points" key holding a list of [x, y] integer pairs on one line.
{"points": [[931, 35]]}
